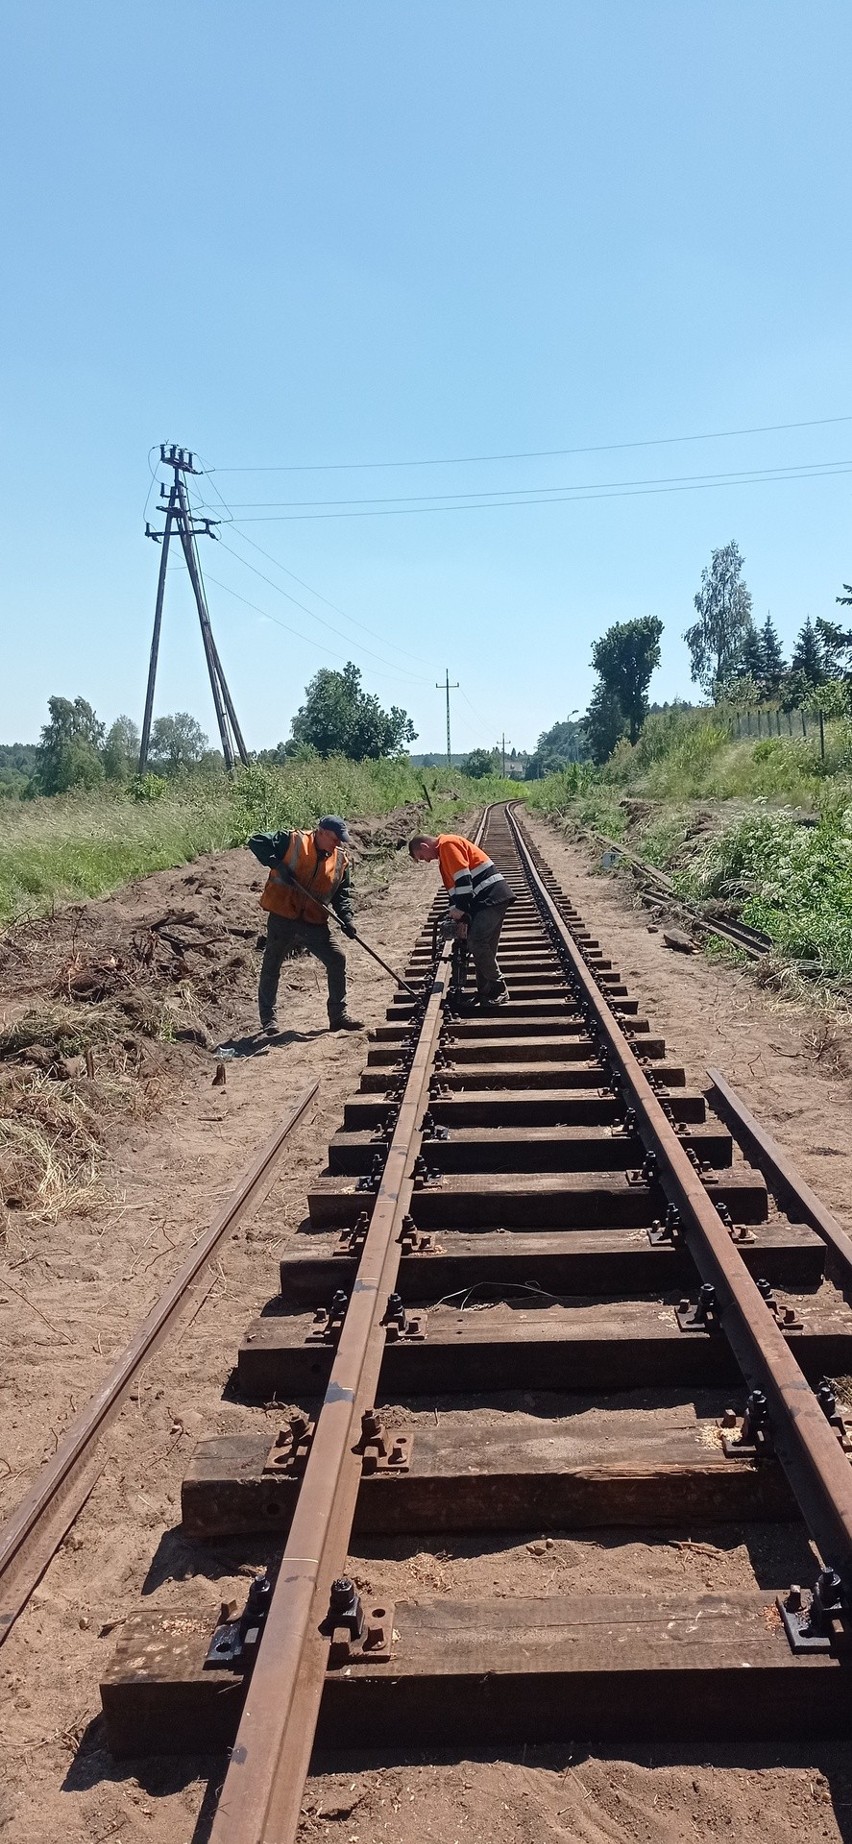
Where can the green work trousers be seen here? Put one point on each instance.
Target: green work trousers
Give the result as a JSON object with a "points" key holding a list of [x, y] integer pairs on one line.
{"points": [[285, 939]]}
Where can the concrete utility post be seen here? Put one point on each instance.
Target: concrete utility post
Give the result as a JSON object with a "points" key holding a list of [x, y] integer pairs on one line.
{"points": [[179, 518], [445, 686]]}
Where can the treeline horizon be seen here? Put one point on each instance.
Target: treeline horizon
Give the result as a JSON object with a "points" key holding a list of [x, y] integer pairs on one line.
{"points": [[733, 661]]}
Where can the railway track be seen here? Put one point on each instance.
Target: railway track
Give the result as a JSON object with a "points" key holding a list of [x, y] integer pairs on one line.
{"points": [[652, 1352], [656, 888], [31, 1535]]}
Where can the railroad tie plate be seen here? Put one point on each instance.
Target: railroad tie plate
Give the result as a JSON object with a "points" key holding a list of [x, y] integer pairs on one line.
{"points": [[612, 1466], [579, 1669]]}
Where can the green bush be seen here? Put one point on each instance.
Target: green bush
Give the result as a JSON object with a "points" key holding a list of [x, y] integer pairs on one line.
{"points": [[792, 881]]}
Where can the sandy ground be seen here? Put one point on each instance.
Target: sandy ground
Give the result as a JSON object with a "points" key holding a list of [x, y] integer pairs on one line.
{"points": [[94, 1277]]}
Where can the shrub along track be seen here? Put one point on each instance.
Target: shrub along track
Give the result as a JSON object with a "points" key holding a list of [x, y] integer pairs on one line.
{"points": [[550, 1158]]}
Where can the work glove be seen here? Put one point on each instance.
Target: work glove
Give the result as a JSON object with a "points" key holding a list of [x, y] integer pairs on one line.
{"points": [[349, 929]]}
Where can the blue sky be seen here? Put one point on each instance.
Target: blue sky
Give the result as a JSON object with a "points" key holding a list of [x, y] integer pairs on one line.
{"points": [[290, 235]]}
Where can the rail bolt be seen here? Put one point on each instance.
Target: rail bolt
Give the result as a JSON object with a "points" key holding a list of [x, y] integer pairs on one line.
{"points": [[372, 1427], [344, 1609]]}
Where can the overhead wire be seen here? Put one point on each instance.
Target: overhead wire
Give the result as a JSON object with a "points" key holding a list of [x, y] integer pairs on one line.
{"points": [[264, 612], [308, 586], [537, 454], [822, 471], [734, 476], [477, 714], [399, 672]]}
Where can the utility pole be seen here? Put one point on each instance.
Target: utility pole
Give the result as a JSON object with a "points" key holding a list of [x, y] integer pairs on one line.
{"points": [[445, 686], [503, 753], [179, 518]]}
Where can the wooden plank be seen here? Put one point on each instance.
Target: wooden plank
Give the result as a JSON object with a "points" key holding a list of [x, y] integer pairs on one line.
{"points": [[525, 1021], [578, 1669], [553, 1007], [577, 1073], [530, 1149], [595, 1261], [548, 1200], [623, 1344], [527, 1107], [573, 1473]]}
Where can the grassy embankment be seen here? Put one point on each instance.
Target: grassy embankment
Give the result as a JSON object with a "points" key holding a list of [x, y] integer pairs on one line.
{"points": [[84, 845], [763, 828]]}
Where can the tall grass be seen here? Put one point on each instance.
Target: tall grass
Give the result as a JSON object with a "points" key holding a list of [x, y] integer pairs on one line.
{"points": [[82, 845], [792, 881]]}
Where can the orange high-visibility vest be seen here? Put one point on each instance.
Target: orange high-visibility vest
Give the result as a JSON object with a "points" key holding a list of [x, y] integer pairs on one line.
{"points": [[469, 874], [322, 876]]}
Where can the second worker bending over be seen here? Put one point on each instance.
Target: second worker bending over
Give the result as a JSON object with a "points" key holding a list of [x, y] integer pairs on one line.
{"points": [[479, 899]]}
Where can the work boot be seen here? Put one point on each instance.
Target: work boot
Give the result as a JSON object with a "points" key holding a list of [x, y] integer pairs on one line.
{"points": [[344, 1023], [270, 1029]]}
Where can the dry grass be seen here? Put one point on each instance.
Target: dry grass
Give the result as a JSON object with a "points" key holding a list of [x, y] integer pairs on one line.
{"points": [[50, 1150], [53, 1135], [62, 1030]]}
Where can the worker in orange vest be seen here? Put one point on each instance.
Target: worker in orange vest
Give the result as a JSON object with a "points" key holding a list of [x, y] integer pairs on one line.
{"points": [[302, 866], [479, 899]]}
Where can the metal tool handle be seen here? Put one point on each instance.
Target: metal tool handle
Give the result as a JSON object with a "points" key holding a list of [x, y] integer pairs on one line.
{"points": [[283, 871]]}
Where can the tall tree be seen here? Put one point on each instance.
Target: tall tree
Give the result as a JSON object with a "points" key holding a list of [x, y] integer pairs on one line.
{"points": [[808, 658], [121, 750], [723, 606], [68, 753], [177, 743], [836, 645], [773, 664], [624, 659], [339, 718], [750, 662], [604, 723]]}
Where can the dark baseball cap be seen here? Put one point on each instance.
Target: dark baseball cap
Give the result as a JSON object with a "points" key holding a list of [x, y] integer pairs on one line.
{"points": [[334, 823]]}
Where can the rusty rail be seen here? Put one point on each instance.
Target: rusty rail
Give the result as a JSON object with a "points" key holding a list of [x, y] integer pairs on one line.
{"points": [[791, 1190], [261, 1797], [805, 1443], [31, 1536]]}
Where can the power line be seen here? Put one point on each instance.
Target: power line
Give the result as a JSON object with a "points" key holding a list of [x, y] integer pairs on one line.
{"points": [[182, 522], [736, 476], [309, 642], [322, 598], [535, 454], [308, 586], [398, 672], [825, 470], [477, 714]]}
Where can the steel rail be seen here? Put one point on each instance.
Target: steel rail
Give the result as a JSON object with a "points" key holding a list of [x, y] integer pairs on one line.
{"points": [[791, 1190], [261, 1797], [818, 1471], [31, 1535], [752, 940]]}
